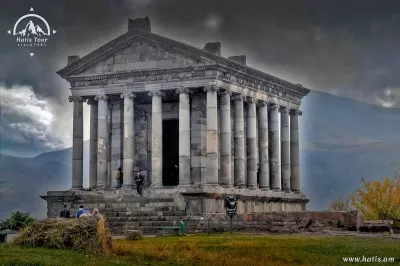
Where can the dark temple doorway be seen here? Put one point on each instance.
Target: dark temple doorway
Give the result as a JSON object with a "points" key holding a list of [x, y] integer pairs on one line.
{"points": [[170, 152]]}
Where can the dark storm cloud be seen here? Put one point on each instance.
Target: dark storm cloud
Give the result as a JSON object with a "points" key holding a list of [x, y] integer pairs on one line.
{"points": [[347, 48]]}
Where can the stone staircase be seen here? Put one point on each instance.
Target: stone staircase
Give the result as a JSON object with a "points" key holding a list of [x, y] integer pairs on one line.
{"points": [[130, 212]]}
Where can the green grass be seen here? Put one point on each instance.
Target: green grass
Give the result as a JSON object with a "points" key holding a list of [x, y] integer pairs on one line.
{"points": [[224, 249]]}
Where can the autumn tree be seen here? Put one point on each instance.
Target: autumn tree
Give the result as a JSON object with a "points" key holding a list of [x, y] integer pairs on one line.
{"points": [[342, 204], [379, 199]]}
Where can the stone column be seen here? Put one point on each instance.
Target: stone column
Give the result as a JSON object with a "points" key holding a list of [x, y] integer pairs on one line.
{"points": [[239, 174], [251, 144], [275, 169], [285, 149], [294, 151], [129, 138], [93, 143], [263, 145], [212, 136], [184, 137], [226, 147], [102, 140], [156, 137], [77, 143]]}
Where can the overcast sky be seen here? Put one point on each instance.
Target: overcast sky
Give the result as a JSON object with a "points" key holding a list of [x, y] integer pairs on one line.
{"points": [[348, 48]]}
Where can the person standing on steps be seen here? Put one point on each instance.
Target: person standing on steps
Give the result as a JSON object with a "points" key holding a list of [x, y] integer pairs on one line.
{"points": [[65, 213], [119, 178], [139, 183]]}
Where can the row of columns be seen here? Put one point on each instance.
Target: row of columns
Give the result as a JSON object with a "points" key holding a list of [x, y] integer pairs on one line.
{"points": [[278, 158]]}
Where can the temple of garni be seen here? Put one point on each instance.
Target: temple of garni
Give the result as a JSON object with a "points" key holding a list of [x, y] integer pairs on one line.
{"points": [[196, 125]]}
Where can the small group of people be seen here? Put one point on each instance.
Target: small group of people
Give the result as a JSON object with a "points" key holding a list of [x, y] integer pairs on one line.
{"points": [[138, 180], [81, 213]]}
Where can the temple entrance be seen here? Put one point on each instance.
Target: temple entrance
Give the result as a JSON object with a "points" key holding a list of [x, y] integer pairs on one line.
{"points": [[170, 152]]}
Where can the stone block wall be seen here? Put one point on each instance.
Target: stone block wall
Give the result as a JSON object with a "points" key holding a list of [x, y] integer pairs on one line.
{"points": [[284, 221]]}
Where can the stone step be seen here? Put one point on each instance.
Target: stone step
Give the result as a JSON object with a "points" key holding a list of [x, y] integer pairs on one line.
{"points": [[123, 199], [126, 213], [144, 218]]}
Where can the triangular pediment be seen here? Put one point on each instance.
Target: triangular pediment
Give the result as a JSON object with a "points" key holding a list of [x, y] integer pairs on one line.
{"points": [[141, 56], [134, 54]]}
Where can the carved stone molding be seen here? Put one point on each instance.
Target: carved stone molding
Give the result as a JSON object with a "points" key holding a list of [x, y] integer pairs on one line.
{"points": [[101, 97], [262, 103], [182, 90], [283, 110], [273, 107], [239, 97], [91, 101], [211, 87], [295, 112], [76, 99], [225, 92], [251, 99], [156, 93], [129, 95]]}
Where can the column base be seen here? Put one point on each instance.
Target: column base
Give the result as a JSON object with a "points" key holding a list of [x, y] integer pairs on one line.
{"points": [[76, 188], [276, 189]]}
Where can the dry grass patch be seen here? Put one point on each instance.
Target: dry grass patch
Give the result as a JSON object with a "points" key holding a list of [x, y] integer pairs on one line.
{"points": [[79, 234]]}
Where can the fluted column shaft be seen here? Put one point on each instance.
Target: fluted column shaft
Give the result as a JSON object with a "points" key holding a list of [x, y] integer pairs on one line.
{"points": [[156, 136], [239, 171], [129, 138], [251, 144], [226, 145], [102, 140], [93, 143], [77, 143], [285, 150], [212, 136], [294, 151], [184, 137], [263, 145], [275, 169]]}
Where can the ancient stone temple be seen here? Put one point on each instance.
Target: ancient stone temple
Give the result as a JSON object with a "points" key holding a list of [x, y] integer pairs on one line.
{"points": [[196, 125]]}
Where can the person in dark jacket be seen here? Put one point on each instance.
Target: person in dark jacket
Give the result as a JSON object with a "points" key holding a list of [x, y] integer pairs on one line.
{"points": [[65, 213]]}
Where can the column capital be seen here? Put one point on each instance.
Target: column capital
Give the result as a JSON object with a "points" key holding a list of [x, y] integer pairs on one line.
{"points": [[129, 95], [273, 107], [239, 97], [294, 112], [283, 110], [262, 102], [225, 92], [76, 99], [101, 97], [251, 100], [182, 90], [91, 101], [211, 88], [156, 93]]}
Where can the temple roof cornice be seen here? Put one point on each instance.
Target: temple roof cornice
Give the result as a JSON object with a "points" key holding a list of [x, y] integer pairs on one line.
{"points": [[207, 59]]}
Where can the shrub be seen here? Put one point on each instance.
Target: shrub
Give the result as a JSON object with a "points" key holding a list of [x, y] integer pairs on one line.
{"points": [[79, 234], [17, 221]]}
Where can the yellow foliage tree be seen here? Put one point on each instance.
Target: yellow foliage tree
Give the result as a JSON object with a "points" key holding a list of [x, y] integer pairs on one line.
{"points": [[379, 199]]}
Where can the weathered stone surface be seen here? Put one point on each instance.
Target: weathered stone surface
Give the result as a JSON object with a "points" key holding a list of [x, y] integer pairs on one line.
{"points": [[285, 150], [275, 169]]}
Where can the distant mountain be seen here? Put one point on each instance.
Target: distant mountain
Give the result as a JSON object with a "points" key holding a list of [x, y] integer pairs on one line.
{"points": [[342, 140], [30, 28], [23, 180]]}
